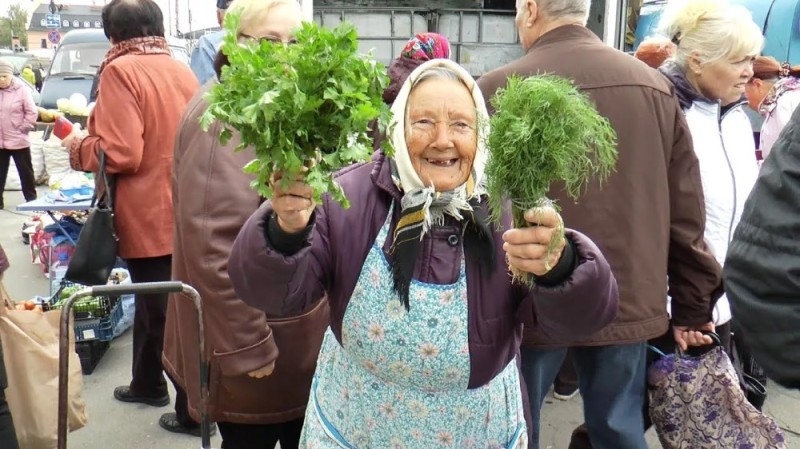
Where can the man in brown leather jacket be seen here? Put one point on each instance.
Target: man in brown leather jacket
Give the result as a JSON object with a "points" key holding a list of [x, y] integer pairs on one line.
{"points": [[648, 219]]}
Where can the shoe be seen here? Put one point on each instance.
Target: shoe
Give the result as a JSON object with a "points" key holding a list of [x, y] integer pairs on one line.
{"points": [[169, 422], [124, 394], [565, 394]]}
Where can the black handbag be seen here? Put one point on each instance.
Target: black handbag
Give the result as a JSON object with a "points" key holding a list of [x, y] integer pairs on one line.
{"points": [[96, 251]]}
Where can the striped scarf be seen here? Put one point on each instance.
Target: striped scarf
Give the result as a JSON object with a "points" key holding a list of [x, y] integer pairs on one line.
{"points": [[422, 207]]}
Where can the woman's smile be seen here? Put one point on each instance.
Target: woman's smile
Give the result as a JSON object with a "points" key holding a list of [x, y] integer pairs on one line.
{"points": [[442, 162]]}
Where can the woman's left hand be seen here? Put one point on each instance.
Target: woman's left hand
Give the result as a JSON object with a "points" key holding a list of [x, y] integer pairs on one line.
{"points": [[536, 249]]}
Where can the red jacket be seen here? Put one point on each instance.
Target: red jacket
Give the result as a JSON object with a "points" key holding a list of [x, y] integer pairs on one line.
{"points": [[139, 105]]}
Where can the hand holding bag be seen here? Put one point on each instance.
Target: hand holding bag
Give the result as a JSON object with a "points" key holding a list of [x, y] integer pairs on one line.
{"points": [[96, 251], [696, 402]]}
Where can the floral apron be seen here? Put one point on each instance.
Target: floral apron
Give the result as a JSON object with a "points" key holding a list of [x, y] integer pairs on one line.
{"points": [[400, 378]]}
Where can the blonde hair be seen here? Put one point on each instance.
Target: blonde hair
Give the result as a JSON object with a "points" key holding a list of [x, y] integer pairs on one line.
{"points": [[253, 12], [711, 30]]}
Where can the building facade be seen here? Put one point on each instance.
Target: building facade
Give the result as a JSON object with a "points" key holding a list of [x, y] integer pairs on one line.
{"points": [[72, 17]]}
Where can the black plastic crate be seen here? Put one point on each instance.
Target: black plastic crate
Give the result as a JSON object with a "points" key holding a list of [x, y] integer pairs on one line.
{"points": [[90, 353]]}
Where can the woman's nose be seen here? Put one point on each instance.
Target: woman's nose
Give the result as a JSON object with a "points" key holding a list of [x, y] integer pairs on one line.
{"points": [[442, 137], [748, 71]]}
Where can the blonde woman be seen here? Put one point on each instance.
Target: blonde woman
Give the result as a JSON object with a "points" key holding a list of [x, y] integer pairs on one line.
{"points": [[716, 44], [258, 392]]}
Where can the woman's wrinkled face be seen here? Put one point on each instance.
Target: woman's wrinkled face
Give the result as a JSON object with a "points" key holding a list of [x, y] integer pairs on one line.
{"points": [[5, 80], [725, 80], [756, 90], [279, 26], [441, 132]]}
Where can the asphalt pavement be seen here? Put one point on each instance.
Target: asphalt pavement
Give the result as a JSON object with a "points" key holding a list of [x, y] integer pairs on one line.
{"points": [[116, 425]]}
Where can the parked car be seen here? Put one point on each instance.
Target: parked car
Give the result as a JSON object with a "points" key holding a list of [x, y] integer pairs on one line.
{"points": [[74, 66], [76, 61], [20, 59]]}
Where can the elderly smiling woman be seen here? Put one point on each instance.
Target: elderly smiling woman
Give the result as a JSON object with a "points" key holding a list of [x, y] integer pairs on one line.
{"points": [[425, 323]]}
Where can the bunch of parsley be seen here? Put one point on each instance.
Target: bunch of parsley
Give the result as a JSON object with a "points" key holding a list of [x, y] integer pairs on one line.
{"points": [[544, 131], [305, 108]]}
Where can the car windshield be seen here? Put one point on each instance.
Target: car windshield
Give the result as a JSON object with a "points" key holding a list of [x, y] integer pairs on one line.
{"points": [[79, 59], [17, 60]]}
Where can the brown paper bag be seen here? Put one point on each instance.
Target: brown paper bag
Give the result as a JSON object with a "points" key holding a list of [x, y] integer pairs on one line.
{"points": [[30, 349]]}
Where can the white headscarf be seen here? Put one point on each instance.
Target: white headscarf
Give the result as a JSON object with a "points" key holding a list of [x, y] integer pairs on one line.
{"points": [[406, 177]]}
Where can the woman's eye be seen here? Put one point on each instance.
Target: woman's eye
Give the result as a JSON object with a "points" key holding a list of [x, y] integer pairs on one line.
{"points": [[462, 126]]}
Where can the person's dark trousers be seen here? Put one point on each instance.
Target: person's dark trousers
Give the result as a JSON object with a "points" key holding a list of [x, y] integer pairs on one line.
{"points": [[612, 384], [148, 336], [261, 436], [148, 327], [567, 378], [8, 438], [27, 179], [539, 370], [182, 406]]}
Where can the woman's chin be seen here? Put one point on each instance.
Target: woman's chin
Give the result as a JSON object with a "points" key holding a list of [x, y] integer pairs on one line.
{"points": [[446, 184]]}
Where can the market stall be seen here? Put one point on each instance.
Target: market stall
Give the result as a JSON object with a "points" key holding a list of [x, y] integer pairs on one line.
{"points": [[53, 236]]}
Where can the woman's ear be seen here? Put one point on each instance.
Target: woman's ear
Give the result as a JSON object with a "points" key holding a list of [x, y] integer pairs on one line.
{"points": [[695, 64]]}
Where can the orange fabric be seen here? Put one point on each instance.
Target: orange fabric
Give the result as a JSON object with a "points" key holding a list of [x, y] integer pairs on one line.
{"points": [[139, 105], [654, 53]]}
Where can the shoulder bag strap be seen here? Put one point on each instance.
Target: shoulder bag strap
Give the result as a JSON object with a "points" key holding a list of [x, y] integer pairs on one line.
{"points": [[107, 195]]}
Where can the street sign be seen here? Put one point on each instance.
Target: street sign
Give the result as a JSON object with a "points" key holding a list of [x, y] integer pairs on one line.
{"points": [[54, 37], [53, 21]]}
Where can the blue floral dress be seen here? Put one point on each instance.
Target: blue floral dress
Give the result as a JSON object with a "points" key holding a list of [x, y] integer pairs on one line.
{"points": [[399, 379]]}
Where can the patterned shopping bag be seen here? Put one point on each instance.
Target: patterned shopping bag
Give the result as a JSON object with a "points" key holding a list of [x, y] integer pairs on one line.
{"points": [[696, 402]]}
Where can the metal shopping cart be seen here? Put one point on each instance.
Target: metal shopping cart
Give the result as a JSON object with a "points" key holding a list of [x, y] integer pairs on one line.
{"points": [[119, 290]]}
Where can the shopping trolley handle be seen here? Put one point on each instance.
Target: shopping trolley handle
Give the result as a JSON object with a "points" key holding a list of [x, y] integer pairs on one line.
{"points": [[148, 288]]}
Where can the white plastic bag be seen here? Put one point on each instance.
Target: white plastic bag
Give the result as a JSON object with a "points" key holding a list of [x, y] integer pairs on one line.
{"points": [[56, 160], [126, 302]]}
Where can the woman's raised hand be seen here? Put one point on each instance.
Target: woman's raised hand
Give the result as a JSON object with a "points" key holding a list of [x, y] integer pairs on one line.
{"points": [[293, 203]]}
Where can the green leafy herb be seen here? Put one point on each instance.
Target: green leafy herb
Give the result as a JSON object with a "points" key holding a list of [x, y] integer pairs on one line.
{"points": [[543, 131], [305, 108]]}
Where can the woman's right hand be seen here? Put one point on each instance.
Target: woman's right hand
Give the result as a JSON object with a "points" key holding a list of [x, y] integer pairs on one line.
{"points": [[293, 204]]}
